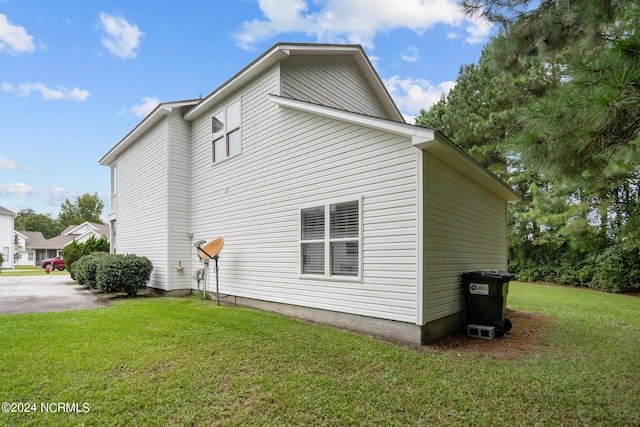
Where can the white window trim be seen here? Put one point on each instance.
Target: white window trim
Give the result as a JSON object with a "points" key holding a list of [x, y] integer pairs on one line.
{"points": [[224, 133], [327, 241]]}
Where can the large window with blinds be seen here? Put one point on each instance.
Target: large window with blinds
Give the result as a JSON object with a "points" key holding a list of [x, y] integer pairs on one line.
{"points": [[330, 240]]}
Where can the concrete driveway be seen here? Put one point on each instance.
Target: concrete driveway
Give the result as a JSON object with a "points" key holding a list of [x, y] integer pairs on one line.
{"points": [[33, 294]]}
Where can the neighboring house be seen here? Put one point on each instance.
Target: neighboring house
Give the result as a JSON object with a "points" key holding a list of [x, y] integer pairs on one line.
{"points": [[332, 208], [37, 248], [6, 237]]}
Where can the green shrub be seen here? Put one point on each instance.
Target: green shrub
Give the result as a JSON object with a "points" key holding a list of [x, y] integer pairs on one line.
{"points": [[71, 253], [122, 273], [85, 269]]}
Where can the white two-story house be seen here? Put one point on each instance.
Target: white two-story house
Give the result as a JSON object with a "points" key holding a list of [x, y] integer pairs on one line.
{"points": [[331, 207]]}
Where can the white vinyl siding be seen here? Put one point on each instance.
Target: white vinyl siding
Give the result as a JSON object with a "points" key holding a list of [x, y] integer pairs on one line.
{"points": [[143, 200], [334, 81], [179, 247], [464, 230], [7, 239], [298, 159]]}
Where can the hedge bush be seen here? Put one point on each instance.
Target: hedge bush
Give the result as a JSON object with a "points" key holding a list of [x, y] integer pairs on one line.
{"points": [[85, 269], [108, 272], [615, 268], [618, 269], [122, 273]]}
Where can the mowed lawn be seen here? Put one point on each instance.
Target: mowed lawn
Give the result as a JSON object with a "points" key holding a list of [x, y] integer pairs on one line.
{"points": [[31, 271], [184, 361]]}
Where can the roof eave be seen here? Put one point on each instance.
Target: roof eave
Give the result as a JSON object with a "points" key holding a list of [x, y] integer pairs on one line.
{"points": [[422, 138], [422, 135], [149, 121], [466, 164]]}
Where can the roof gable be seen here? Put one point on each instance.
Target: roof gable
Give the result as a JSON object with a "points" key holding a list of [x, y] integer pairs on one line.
{"points": [[281, 51]]}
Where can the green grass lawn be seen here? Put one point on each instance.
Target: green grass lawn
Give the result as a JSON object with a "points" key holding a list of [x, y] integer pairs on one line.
{"points": [[31, 271], [184, 361]]}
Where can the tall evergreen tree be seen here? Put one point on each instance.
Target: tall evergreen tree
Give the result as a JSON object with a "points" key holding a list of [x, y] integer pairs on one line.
{"points": [[580, 131]]}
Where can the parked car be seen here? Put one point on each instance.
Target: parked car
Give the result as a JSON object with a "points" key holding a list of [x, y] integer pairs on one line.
{"points": [[55, 263]]}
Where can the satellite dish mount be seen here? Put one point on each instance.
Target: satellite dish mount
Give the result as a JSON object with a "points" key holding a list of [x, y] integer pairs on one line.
{"points": [[206, 252]]}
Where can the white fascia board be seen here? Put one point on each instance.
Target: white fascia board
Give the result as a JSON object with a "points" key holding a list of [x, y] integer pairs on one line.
{"points": [[417, 135]]}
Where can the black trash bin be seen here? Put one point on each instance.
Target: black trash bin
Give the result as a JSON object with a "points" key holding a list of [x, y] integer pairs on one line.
{"points": [[485, 295]]}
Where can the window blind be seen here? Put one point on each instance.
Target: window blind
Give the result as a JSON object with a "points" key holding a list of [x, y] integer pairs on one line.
{"points": [[313, 223], [344, 220]]}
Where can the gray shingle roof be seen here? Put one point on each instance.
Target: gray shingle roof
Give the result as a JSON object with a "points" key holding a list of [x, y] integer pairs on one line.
{"points": [[6, 211]]}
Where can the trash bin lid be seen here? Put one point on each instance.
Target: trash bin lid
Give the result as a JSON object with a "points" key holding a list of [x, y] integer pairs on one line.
{"points": [[490, 274]]}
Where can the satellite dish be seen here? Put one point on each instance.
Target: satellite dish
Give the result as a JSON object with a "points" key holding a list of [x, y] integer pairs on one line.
{"points": [[207, 252], [211, 249]]}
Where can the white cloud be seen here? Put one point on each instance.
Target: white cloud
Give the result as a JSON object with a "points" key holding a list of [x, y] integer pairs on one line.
{"points": [[352, 21], [14, 38], [411, 95], [11, 165], [17, 188], [410, 54], [121, 38], [147, 106], [53, 195], [478, 32], [60, 93]]}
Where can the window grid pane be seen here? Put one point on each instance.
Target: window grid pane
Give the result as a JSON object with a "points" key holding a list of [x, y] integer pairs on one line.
{"points": [[217, 123], [313, 258], [344, 220], [313, 223], [219, 150], [234, 143], [233, 116], [344, 258]]}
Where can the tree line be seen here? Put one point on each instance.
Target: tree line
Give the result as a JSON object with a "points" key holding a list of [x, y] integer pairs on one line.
{"points": [[553, 107], [87, 207]]}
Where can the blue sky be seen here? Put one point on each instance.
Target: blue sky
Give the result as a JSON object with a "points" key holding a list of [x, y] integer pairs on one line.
{"points": [[77, 76]]}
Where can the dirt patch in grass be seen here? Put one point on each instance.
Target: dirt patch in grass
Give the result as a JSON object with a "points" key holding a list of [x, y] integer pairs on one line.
{"points": [[526, 337]]}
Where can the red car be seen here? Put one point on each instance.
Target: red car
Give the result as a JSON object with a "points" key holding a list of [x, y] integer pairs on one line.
{"points": [[54, 263]]}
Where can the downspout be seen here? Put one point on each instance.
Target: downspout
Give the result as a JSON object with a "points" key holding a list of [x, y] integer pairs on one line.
{"points": [[421, 143], [420, 240]]}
